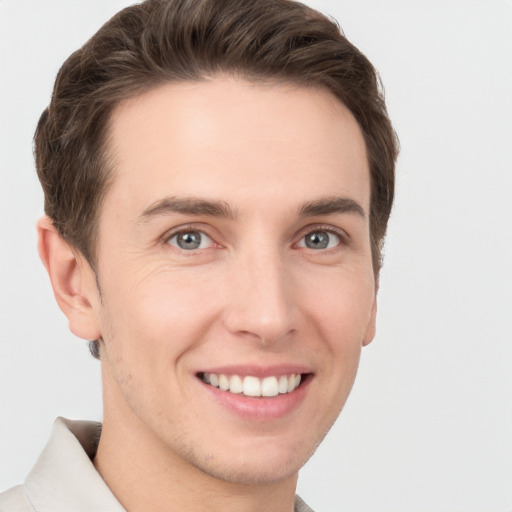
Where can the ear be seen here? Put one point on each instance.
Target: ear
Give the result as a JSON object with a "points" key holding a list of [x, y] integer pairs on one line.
{"points": [[73, 281], [371, 327]]}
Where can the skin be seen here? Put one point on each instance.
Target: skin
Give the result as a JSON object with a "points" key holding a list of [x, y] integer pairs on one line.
{"points": [[253, 293]]}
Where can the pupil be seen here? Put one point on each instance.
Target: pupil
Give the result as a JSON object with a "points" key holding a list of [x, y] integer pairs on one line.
{"points": [[190, 240], [317, 240]]}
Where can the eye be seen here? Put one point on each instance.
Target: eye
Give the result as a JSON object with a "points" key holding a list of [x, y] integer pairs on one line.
{"points": [[320, 239], [190, 240]]}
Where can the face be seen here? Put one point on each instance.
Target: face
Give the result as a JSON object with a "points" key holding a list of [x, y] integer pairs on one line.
{"points": [[234, 260]]}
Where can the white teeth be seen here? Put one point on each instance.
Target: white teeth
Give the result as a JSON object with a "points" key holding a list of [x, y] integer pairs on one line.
{"points": [[253, 386], [214, 380], [269, 386], [283, 384], [223, 382], [235, 384], [291, 383]]}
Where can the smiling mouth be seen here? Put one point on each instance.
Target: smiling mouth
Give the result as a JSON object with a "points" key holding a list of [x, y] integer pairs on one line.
{"points": [[252, 386]]}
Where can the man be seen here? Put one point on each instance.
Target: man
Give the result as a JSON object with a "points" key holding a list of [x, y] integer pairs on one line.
{"points": [[218, 176]]}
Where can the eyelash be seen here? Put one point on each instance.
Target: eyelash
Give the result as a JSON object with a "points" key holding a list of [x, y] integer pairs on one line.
{"points": [[342, 236]]}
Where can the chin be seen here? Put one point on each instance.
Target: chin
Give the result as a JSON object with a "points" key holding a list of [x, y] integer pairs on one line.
{"points": [[255, 465], [249, 473]]}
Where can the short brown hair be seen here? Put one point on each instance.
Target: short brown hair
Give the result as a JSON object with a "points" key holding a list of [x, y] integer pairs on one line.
{"points": [[161, 41]]}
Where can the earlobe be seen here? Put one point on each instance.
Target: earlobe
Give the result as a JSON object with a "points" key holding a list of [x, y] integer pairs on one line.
{"points": [[372, 325], [72, 280]]}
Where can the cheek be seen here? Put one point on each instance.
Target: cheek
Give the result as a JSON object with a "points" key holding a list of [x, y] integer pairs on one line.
{"points": [[341, 304], [158, 317]]}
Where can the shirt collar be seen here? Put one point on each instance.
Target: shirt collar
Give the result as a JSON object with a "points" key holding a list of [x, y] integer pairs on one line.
{"points": [[64, 478]]}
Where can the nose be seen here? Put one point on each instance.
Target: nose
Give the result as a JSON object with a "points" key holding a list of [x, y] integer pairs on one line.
{"points": [[261, 304]]}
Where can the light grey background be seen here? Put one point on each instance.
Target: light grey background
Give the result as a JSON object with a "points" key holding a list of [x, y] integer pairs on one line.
{"points": [[428, 426]]}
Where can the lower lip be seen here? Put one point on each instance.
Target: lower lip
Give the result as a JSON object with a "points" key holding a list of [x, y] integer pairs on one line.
{"points": [[261, 408]]}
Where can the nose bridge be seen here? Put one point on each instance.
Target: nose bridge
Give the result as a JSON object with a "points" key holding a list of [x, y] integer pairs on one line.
{"points": [[262, 301]]}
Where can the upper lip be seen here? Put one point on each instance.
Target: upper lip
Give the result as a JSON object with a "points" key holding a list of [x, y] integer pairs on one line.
{"points": [[257, 370]]}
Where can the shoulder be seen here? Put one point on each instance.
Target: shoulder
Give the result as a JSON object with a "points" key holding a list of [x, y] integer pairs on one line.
{"points": [[300, 505], [15, 500]]}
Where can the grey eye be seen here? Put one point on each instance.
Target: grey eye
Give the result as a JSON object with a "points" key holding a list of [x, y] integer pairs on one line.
{"points": [[190, 240], [320, 240]]}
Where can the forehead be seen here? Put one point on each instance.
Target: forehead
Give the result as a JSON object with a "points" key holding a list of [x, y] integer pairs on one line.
{"points": [[237, 141]]}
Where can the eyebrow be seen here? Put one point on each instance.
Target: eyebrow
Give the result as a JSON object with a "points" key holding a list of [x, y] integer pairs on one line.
{"points": [[188, 206], [213, 208], [329, 205]]}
